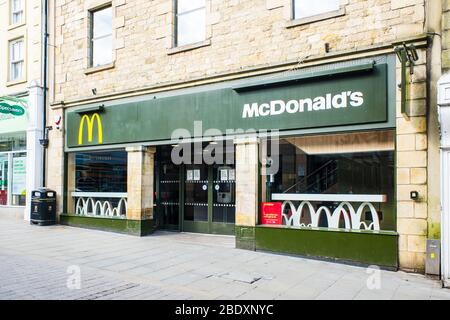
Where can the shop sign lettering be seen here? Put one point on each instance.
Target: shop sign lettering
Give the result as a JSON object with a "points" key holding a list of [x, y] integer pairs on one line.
{"points": [[327, 102], [14, 110]]}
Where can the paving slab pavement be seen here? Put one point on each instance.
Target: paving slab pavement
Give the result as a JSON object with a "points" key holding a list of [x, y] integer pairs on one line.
{"points": [[59, 262]]}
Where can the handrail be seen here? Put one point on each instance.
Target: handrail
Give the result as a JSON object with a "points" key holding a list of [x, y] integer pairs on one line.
{"points": [[309, 175], [329, 174]]}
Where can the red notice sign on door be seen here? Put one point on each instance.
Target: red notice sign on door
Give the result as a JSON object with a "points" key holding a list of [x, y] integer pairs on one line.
{"points": [[271, 213]]}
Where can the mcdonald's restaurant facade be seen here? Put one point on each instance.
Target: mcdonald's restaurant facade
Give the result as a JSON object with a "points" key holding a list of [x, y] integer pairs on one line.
{"points": [[325, 161]]}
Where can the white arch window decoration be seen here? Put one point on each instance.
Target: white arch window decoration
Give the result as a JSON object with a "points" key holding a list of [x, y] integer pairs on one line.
{"points": [[345, 209], [99, 205]]}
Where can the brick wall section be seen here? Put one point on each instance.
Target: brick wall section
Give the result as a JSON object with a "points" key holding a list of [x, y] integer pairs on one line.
{"points": [[242, 33], [412, 171]]}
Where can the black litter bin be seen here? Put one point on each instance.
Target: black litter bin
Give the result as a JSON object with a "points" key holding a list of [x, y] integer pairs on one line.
{"points": [[43, 207]]}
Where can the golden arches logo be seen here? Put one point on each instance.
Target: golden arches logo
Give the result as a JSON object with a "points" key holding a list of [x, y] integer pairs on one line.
{"points": [[90, 125]]}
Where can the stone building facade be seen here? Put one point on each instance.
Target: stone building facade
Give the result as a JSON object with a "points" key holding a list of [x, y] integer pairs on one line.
{"points": [[247, 39]]}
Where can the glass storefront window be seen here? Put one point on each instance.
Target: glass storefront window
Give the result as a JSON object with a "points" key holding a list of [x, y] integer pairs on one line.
{"points": [[340, 164], [13, 141], [101, 171], [98, 184], [4, 179], [13, 178], [19, 183]]}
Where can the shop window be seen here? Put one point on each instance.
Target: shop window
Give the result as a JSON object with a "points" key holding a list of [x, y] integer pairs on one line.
{"points": [[101, 172], [16, 7], [307, 8], [12, 169], [101, 37], [190, 22], [97, 183], [12, 141], [13, 179], [19, 184], [17, 60], [324, 175], [4, 174]]}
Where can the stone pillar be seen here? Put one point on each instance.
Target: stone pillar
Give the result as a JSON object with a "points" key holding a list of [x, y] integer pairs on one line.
{"points": [[412, 172], [140, 188], [247, 192], [71, 167], [55, 163], [34, 149]]}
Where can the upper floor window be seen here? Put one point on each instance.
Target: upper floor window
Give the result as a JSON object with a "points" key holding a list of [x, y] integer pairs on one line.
{"points": [[16, 11], [190, 22], [101, 37], [308, 8], [16, 57]]}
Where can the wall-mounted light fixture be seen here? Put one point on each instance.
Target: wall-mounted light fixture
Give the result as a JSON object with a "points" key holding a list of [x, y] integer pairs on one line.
{"points": [[407, 54]]}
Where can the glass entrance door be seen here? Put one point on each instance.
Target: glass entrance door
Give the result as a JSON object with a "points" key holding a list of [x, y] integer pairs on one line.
{"points": [[209, 193], [223, 202], [196, 198], [209, 199]]}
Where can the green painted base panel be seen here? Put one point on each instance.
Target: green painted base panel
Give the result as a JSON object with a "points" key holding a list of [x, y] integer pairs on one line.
{"points": [[366, 248], [132, 227], [208, 228]]}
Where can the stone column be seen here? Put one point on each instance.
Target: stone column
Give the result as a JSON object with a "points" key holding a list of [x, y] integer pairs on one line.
{"points": [[247, 192], [140, 187], [412, 173], [71, 167], [55, 163], [34, 149]]}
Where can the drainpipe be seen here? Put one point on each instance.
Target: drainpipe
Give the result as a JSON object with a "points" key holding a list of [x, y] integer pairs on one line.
{"points": [[44, 141]]}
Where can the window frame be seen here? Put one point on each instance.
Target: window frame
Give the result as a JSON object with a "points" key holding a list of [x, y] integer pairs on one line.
{"points": [[176, 15], [11, 13], [314, 18], [318, 14], [79, 161], [11, 62], [91, 39], [383, 145]]}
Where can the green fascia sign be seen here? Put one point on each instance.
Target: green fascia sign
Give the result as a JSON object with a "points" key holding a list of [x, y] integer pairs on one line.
{"points": [[13, 114], [9, 109], [339, 99]]}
